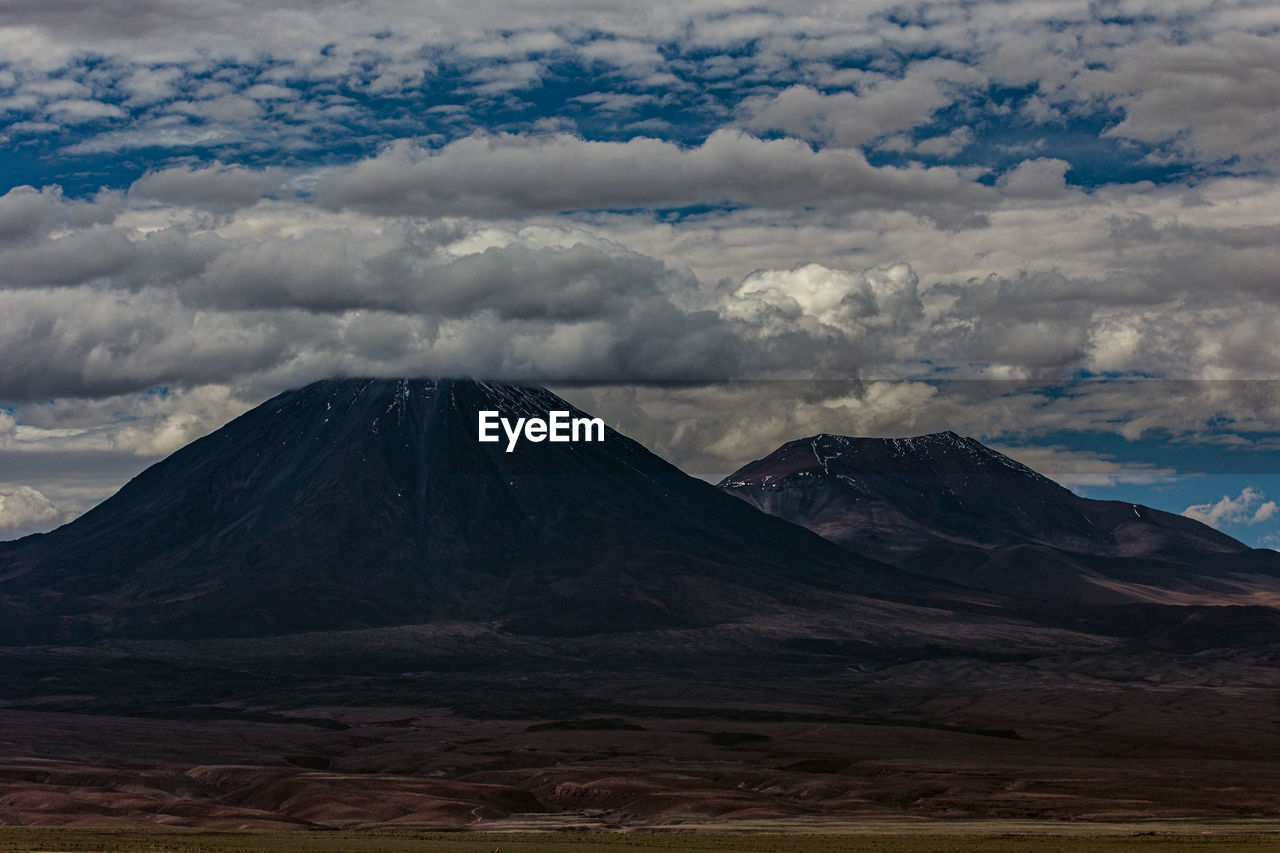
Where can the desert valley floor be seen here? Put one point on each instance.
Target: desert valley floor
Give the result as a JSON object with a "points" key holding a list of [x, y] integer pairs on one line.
{"points": [[1074, 737]]}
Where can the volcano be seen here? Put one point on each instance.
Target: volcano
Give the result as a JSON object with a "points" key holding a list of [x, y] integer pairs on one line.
{"points": [[361, 503], [948, 506]]}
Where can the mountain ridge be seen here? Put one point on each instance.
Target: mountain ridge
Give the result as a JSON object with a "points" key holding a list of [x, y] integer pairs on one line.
{"points": [[947, 505]]}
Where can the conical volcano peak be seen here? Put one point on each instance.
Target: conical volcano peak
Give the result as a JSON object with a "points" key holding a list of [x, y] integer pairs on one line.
{"points": [[398, 395], [426, 415]]}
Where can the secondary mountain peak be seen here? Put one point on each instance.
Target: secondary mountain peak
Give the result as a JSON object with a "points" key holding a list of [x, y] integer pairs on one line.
{"points": [[947, 505]]}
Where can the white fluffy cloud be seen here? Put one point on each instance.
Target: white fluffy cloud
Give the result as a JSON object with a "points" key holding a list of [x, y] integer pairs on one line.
{"points": [[846, 300], [23, 508], [1248, 507]]}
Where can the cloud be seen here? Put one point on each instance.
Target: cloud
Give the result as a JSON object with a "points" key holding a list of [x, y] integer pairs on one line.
{"points": [[119, 293], [509, 175], [197, 308], [768, 267], [225, 108], [27, 211], [1174, 84], [148, 85], [1040, 178], [946, 145], [270, 92], [1083, 469], [813, 296], [713, 428], [637, 57], [1249, 507], [80, 110], [1216, 99], [881, 104], [78, 257], [23, 508], [147, 425], [507, 77], [214, 187]]}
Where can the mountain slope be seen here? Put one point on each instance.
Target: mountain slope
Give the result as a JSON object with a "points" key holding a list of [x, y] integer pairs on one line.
{"points": [[353, 503], [948, 506]]}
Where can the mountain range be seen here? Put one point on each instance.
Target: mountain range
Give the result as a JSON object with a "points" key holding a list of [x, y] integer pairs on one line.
{"points": [[949, 507], [361, 503], [342, 609]]}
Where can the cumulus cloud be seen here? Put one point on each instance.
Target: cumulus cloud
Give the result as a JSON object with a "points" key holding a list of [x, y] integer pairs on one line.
{"points": [[23, 509], [186, 310], [827, 303], [1248, 507], [80, 110]]}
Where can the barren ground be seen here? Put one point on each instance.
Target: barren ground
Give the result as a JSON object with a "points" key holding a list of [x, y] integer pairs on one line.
{"points": [[128, 740]]}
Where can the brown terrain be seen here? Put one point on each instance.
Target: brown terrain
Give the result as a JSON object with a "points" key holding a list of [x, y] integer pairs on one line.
{"points": [[1089, 735]]}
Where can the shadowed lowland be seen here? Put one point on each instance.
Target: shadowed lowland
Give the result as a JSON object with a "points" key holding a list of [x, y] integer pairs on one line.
{"points": [[342, 611]]}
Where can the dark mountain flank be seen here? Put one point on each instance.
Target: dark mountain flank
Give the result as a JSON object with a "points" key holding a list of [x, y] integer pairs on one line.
{"points": [[950, 507], [357, 503]]}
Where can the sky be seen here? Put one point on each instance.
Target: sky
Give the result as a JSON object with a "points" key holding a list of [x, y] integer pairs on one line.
{"points": [[1054, 226]]}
